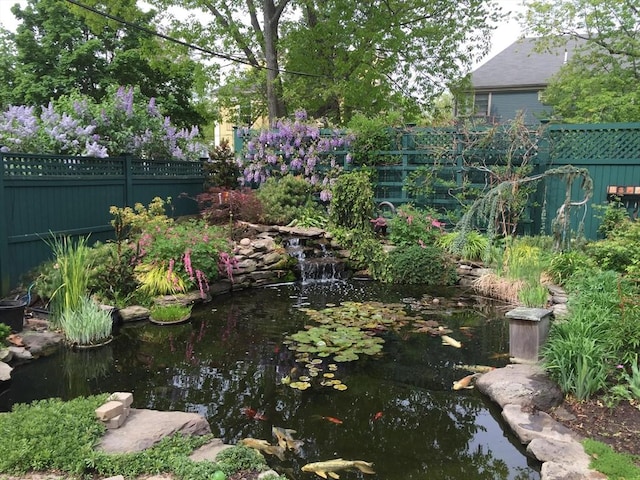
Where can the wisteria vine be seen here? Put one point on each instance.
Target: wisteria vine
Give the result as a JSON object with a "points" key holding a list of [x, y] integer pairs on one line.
{"points": [[295, 146]]}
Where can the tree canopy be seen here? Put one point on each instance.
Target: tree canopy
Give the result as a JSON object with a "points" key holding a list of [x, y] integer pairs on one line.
{"points": [[600, 82], [60, 48], [335, 57]]}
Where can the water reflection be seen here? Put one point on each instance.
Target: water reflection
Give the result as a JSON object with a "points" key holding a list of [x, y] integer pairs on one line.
{"points": [[231, 357]]}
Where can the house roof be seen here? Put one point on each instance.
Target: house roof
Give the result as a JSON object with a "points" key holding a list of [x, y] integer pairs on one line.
{"points": [[519, 66]]}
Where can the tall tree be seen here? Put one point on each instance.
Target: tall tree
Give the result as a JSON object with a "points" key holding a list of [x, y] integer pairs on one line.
{"points": [[600, 82], [62, 48], [342, 55]]}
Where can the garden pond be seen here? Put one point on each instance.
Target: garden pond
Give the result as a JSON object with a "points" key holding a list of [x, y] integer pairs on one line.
{"points": [[234, 364]]}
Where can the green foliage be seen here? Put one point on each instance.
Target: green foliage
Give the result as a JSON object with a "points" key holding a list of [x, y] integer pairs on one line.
{"points": [[221, 169], [534, 295], [365, 252], [412, 226], [616, 466], [310, 218], [352, 202], [370, 136], [5, 331], [575, 357], [613, 216], [474, 247], [629, 383], [602, 328], [618, 251], [170, 313], [73, 264], [87, 324], [417, 264], [156, 279], [598, 84], [129, 223], [61, 49], [50, 435], [284, 199], [112, 278], [563, 265]]}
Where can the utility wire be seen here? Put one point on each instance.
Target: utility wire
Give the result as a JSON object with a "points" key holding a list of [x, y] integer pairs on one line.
{"points": [[186, 44]]}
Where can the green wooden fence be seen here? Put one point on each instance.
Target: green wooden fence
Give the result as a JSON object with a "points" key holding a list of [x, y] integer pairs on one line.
{"points": [[610, 152], [43, 194]]}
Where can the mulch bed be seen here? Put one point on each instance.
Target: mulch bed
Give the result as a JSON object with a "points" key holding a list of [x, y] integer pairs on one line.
{"points": [[618, 426]]}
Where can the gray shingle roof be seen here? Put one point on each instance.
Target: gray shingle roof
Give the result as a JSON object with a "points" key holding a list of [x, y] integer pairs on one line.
{"points": [[519, 65]]}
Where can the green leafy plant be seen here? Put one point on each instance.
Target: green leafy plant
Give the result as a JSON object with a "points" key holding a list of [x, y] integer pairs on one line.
{"points": [[352, 202], [221, 170], [613, 217], [616, 466], [112, 277], [157, 279], [52, 435], [534, 295], [73, 264], [129, 223], [417, 264], [414, 226], [371, 136], [170, 313], [365, 252], [563, 265], [474, 247], [284, 199], [87, 324], [5, 331]]}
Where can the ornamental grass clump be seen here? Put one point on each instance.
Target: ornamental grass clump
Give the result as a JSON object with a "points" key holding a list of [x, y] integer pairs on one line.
{"points": [[71, 279], [87, 324]]}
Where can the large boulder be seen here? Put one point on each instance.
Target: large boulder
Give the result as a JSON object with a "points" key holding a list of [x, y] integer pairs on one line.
{"points": [[520, 384], [145, 428]]}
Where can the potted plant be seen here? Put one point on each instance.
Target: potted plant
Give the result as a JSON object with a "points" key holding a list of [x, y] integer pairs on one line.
{"points": [[170, 314], [88, 325]]}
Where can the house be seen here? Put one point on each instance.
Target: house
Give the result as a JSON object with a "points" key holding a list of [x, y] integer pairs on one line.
{"points": [[512, 81]]}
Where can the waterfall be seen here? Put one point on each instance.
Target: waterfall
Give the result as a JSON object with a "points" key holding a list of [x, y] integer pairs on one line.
{"points": [[315, 266]]}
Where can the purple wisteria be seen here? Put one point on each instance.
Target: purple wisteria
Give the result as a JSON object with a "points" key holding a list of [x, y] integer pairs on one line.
{"points": [[75, 125], [298, 147]]}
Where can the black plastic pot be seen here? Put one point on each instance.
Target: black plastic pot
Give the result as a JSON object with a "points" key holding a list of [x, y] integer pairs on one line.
{"points": [[12, 314]]}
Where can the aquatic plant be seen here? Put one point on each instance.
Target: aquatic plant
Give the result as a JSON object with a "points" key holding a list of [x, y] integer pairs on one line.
{"points": [[86, 324], [170, 313]]}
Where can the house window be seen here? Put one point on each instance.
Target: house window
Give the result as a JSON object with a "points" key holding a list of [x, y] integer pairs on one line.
{"points": [[482, 104]]}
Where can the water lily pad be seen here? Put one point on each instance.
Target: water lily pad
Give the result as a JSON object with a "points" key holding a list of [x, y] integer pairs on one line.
{"points": [[340, 387]]}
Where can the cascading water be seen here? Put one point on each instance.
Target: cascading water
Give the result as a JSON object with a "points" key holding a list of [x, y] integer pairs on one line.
{"points": [[315, 266]]}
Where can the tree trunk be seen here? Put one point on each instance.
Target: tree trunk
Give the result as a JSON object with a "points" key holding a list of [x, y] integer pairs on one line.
{"points": [[275, 104]]}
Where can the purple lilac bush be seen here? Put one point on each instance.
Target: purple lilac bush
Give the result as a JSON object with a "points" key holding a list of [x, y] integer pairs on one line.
{"points": [[293, 146], [76, 125]]}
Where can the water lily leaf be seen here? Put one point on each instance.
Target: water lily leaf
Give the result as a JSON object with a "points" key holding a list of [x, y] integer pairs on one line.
{"points": [[340, 387]]}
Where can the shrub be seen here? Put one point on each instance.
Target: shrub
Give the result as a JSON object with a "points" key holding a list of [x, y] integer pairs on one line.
{"points": [[221, 170], [112, 278], [414, 226], [219, 205], [564, 265], [473, 247], [284, 199], [421, 265], [5, 331], [352, 204], [370, 136]]}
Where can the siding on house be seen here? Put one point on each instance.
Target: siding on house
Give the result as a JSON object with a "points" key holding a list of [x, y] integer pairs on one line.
{"points": [[506, 106]]}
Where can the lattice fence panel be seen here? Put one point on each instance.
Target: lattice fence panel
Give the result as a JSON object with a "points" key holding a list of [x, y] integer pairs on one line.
{"points": [[588, 143], [147, 168], [25, 165]]}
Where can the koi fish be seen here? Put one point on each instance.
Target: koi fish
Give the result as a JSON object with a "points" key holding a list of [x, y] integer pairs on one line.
{"points": [[322, 469], [335, 420], [285, 438], [253, 414], [465, 382], [475, 368], [377, 416], [451, 342], [263, 446]]}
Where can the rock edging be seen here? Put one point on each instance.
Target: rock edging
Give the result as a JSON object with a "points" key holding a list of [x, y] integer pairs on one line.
{"points": [[525, 392]]}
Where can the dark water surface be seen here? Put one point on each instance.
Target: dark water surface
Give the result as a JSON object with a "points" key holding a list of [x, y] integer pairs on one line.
{"points": [[231, 357]]}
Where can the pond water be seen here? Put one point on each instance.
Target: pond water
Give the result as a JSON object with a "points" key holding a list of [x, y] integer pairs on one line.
{"points": [[228, 364]]}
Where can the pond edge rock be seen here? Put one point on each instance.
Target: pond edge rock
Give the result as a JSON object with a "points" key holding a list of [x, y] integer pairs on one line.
{"points": [[525, 393]]}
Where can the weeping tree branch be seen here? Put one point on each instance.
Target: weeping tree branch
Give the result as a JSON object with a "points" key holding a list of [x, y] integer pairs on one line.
{"points": [[486, 209]]}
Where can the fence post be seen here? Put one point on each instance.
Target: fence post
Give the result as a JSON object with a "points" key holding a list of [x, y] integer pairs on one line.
{"points": [[128, 181], [4, 236], [458, 146]]}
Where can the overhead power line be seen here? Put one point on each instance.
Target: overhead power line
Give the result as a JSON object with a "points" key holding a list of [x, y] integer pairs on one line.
{"points": [[186, 44]]}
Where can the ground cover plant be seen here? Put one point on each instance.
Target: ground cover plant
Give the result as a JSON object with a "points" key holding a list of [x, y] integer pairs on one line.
{"points": [[50, 435]]}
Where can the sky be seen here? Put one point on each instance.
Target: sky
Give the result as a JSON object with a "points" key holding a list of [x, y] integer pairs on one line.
{"points": [[506, 33]]}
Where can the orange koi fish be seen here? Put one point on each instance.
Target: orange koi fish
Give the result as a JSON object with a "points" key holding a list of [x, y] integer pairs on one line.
{"points": [[335, 420], [377, 416]]}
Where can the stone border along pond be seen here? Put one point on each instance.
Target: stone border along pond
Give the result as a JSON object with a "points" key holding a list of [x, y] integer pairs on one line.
{"points": [[523, 391]]}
